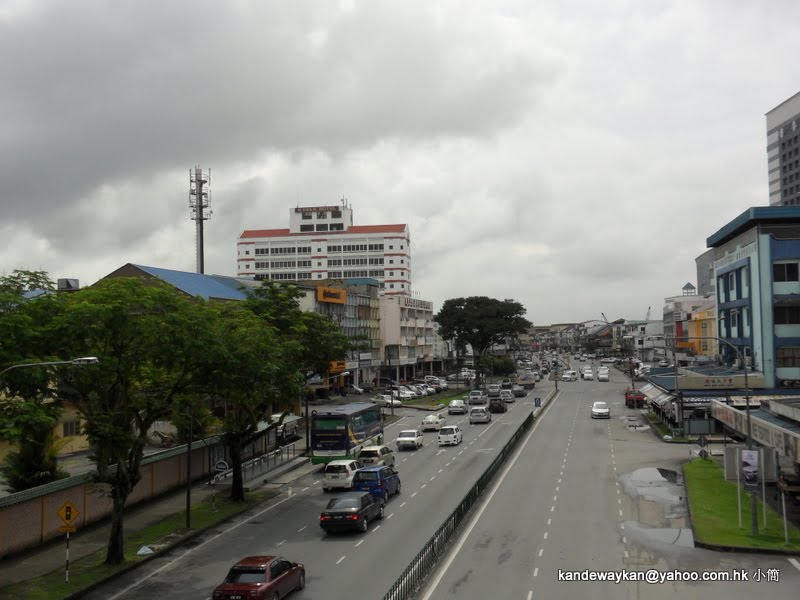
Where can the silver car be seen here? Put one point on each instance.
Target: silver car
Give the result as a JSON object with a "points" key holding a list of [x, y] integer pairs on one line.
{"points": [[479, 414]]}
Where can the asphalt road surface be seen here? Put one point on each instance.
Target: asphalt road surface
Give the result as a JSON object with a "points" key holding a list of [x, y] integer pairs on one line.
{"points": [[583, 497], [433, 480]]}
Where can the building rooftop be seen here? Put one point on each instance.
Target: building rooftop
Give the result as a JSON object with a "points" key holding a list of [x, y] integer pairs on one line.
{"points": [[352, 230], [750, 218], [196, 284]]}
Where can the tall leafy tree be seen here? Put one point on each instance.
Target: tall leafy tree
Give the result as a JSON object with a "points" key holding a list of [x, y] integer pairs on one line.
{"points": [[150, 341], [28, 406], [481, 322]]}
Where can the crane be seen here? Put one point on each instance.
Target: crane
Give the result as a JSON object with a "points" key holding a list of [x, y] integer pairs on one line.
{"points": [[647, 317], [604, 318]]}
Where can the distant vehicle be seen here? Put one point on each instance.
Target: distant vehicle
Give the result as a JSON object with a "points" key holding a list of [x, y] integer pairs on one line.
{"points": [[478, 397], [518, 391], [602, 376], [350, 511], [457, 406], [409, 438], [288, 428], [600, 410], [608, 359], [569, 376], [339, 474], [433, 422], [497, 405], [450, 435], [587, 375], [663, 363], [634, 398], [386, 400], [341, 433], [507, 395], [506, 384], [479, 414], [494, 390], [352, 389], [261, 577]]}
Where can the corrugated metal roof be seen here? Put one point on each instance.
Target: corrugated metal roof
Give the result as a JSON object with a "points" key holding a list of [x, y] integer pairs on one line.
{"points": [[195, 284]]}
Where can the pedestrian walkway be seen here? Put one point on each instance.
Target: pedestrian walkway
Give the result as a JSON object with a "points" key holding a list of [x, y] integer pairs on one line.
{"points": [[52, 555]]}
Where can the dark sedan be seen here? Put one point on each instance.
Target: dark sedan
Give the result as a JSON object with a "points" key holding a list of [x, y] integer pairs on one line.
{"points": [[351, 511], [261, 577]]}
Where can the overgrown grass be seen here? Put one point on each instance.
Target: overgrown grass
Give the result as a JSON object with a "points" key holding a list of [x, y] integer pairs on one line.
{"points": [[714, 505], [661, 428], [91, 569]]}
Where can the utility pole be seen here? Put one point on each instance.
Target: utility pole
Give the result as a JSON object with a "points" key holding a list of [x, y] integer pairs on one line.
{"points": [[198, 203]]}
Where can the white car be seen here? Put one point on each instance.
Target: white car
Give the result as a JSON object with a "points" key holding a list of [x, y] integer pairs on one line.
{"points": [[602, 376], [457, 406], [507, 395], [433, 422], [569, 376], [600, 410], [339, 474], [587, 375], [608, 359], [409, 438], [450, 436], [386, 400]]}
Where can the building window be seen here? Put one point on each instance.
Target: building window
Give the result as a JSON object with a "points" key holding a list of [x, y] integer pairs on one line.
{"points": [[306, 216], [335, 274], [71, 428], [391, 286], [305, 228], [304, 275], [304, 249], [375, 247], [787, 357], [322, 227], [337, 227], [334, 262], [785, 272], [732, 282], [787, 315], [262, 265], [304, 263], [322, 215], [336, 214], [391, 247], [401, 247], [391, 261]]}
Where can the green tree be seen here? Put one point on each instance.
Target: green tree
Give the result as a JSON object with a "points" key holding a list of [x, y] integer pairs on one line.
{"points": [[481, 322], [150, 341], [28, 404]]}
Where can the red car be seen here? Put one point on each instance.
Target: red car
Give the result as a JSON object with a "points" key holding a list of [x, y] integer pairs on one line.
{"points": [[634, 398], [262, 578]]}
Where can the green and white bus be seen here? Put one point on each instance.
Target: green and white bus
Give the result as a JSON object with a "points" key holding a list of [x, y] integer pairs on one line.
{"points": [[341, 433]]}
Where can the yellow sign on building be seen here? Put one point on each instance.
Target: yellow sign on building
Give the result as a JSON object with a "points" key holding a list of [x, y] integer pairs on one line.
{"points": [[337, 366], [332, 295]]}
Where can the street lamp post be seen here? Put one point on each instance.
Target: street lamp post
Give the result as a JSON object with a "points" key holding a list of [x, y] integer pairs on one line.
{"points": [[84, 360], [753, 506]]}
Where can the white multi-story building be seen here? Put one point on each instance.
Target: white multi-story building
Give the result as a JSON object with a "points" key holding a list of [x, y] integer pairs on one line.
{"points": [[783, 152], [322, 243]]}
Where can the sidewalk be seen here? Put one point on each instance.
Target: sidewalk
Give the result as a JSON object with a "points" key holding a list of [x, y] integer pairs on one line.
{"points": [[51, 556]]}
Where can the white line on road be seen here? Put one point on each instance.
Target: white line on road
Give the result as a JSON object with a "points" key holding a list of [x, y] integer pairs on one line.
{"points": [[375, 528], [432, 478], [301, 529], [626, 554], [440, 451], [402, 505], [545, 535], [340, 560], [390, 516], [281, 543], [359, 543], [304, 489], [624, 541], [541, 551], [622, 526], [440, 470], [555, 498], [794, 562], [535, 573], [559, 480], [552, 508], [620, 512], [619, 500], [548, 521], [414, 494], [530, 594]]}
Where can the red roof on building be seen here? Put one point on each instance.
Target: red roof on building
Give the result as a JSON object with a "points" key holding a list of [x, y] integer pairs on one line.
{"points": [[354, 229]]}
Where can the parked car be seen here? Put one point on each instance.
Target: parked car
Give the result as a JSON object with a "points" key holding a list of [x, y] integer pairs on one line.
{"points": [[351, 389], [478, 397], [493, 390], [339, 474], [374, 456], [381, 481], [634, 398], [386, 400], [451, 435], [409, 438], [518, 391], [600, 410], [457, 406], [479, 414], [433, 422], [608, 359], [261, 577], [497, 405], [569, 376], [288, 426], [663, 363], [351, 511]]}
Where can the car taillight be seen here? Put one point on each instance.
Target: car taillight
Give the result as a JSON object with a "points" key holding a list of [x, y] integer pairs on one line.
{"points": [[324, 517], [353, 517]]}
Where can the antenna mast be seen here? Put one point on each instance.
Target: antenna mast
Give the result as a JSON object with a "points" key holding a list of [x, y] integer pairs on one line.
{"points": [[199, 183]]}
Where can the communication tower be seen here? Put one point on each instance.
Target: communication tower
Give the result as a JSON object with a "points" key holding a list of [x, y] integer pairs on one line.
{"points": [[199, 183]]}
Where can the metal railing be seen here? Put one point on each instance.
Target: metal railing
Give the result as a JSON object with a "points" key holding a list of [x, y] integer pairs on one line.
{"points": [[423, 563], [266, 462]]}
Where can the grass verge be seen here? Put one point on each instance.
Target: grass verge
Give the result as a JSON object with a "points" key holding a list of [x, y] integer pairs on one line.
{"points": [[661, 428], [714, 505], [91, 569]]}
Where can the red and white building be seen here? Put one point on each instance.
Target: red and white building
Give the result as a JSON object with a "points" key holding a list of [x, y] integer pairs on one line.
{"points": [[322, 243]]}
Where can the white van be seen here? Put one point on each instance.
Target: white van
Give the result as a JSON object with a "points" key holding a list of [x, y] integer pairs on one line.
{"points": [[339, 474]]}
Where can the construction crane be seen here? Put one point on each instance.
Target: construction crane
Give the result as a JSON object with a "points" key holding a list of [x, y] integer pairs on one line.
{"points": [[604, 318]]}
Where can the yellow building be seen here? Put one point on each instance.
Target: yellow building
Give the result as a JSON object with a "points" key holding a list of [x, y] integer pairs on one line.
{"points": [[67, 432], [702, 324]]}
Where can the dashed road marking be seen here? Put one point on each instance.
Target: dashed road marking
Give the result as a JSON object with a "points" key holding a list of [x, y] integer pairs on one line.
{"points": [[620, 512], [548, 521], [414, 494], [402, 505], [535, 574], [541, 551], [552, 508], [340, 560], [359, 543], [545, 535], [281, 543], [301, 529]]}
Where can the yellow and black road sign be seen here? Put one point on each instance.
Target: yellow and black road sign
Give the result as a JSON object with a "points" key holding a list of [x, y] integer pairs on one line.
{"points": [[68, 513]]}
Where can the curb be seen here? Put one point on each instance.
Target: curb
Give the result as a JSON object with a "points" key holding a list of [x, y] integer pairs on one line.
{"points": [[722, 547]]}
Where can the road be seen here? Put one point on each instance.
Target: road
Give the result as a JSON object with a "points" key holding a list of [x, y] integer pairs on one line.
{"points": [[434, 480], [585, 496]]}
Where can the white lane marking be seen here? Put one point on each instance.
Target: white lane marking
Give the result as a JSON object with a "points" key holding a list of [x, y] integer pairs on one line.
{"points": [[794, 562], [617, 491], [440, 451], [541, 551], [359, 543], [558, 487], [340, 560], [423, 486], [622, 526], [626, 554], [624, 541], [536, 572], [432, 478], [390, 516], [545, 535], [552, 508], [440, 470], [375, 528], [402, 505], [447, 465], [619, 500], [301, 529], [405, 459], [548, 521], [281, 543], [555, 498], [414, 494], [315, 483], [304, 489], [193, 549], [620, 512], [530, 594]]}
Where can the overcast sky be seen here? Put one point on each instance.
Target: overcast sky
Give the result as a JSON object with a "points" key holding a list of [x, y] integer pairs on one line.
{"points": [[573, 155]]}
